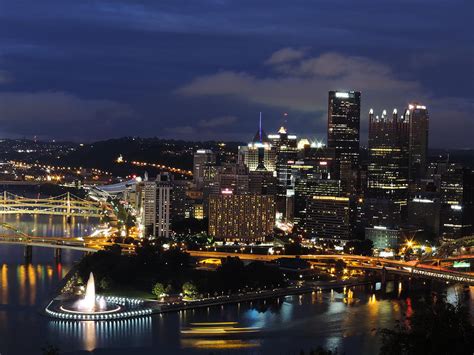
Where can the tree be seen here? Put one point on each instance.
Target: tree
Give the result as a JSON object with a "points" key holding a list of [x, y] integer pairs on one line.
{"points": [[359, 247], [50, 350], [105, 283], [190, 290], [339, 266], [158, 290], [437, 327]]}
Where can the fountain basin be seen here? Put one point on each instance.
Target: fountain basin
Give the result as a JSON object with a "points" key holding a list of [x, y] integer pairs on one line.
{"points": [[117, 308]]}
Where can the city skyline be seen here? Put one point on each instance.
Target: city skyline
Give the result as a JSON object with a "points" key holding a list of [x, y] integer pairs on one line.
{"points": [[205, 72], [237, 177]]}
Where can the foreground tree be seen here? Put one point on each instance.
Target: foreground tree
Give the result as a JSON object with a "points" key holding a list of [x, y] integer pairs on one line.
{"points": [[158, 290], [437, 327], [190, 290]]}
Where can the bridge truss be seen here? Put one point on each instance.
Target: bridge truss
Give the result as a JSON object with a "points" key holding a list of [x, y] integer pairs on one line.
{"points": [[66, 204]]}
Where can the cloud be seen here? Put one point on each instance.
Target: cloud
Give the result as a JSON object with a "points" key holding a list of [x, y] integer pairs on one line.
{"points": [[303, 84], [185, 131], [5, 77], [217, 122], [57, 107], [285, 55]]}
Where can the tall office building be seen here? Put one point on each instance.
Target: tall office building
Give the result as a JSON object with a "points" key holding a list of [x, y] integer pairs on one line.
{"points": [[388, 157], [457, 198], [259, 154], [163, 204], [424, 211], [146, 206], [202, 159], [344, 125], [418, 119], [286, 155], [329, 217], [241, 217], [387, 171]]}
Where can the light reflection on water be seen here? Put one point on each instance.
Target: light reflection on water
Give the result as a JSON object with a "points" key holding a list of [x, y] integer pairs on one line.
{"points": [[103, 334], [48, 226], [286, 325]]}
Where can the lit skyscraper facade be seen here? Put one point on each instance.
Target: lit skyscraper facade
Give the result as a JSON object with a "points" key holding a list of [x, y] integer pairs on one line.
{"points": [[457, 198], [163, 203], [417, 116], [259, 154], [202, 159], [388, 159], [146, 205], [344, 125], [286, 154], [329, 217]]}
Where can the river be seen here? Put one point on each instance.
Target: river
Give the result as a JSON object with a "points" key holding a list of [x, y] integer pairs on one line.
{"points": [[283, 326]]}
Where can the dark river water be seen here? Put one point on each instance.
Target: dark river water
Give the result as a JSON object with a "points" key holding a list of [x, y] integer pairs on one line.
{"points": [[284, 326]]}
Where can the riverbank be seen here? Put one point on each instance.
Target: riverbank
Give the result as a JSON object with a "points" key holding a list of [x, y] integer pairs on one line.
{"points": [[158, 307], [257, 295]]}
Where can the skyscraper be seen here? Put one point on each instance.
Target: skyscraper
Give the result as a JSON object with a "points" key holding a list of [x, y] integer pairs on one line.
{"points": [[388, 167], [417, 116], [259, 154], [163, 202], [286, 155], [202, 159], [344, 125], [146, 205], [457, 198]]}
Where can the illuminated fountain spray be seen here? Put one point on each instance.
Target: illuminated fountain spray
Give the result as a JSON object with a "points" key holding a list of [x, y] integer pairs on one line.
{"points": [[94, 307], [88, 303]]}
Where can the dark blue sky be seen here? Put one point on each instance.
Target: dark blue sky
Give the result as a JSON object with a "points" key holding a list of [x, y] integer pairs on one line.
{"points": [[204, 69]]}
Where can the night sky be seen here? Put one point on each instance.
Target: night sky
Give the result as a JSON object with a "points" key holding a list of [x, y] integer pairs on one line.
{"points": [[203, 69]]}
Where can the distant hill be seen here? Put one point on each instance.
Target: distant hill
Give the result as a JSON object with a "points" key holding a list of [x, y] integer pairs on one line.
{"points": [[179, 154]]}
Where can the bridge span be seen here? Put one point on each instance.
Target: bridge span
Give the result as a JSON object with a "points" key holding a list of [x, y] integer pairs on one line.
{"points": [[66, 204], [411, 268]]}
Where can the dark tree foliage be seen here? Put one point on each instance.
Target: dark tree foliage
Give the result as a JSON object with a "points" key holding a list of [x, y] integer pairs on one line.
{"points": [[152, 264], [319, 351], [50, 350], [339, 266], [189, 226], [149, 265], [359, 247], [295, 249], [436, 328], [233, 276]]}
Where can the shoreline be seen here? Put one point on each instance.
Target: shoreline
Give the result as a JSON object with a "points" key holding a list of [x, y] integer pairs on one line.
{"points": [[154, 307], [255, 296]]}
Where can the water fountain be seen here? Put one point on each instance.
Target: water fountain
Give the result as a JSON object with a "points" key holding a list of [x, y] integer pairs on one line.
{"points": [[94, 307], [91, 303]]}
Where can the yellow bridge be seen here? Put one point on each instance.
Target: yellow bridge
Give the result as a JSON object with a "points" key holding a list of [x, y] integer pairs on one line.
{"points": [[66, 204], [86, 244]]}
